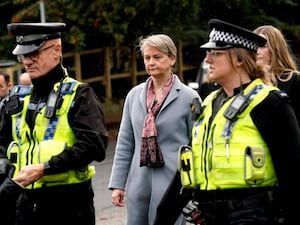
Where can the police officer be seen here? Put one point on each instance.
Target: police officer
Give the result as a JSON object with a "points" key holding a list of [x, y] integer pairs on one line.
{"points": [[51, 134], [245, 144]]}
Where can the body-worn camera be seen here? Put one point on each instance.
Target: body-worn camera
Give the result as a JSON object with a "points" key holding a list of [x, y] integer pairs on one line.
{"points": [[192, 214], [13, 105], [239, 103]]}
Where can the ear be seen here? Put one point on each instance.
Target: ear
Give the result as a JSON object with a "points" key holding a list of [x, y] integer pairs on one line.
{"points": [[58, 50], [172, 60], [239, 58], [9, 85]]}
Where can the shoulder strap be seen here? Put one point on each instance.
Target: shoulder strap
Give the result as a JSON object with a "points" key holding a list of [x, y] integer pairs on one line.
{"points": [[21, 90]]}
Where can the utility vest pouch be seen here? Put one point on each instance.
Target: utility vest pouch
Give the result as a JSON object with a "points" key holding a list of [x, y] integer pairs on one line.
{"points": [[255, 158], [46, 150], [13, 154], [186, 166]]}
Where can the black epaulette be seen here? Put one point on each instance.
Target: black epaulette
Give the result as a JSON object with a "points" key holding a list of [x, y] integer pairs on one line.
{"points": [[196, 108], [281, 94]]}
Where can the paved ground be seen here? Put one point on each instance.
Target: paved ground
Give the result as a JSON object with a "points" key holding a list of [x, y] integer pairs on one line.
{"points": [[106, 213], [111, 216]]}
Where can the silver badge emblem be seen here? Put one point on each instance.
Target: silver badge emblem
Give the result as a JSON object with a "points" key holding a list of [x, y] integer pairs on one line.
{"points": [[20, 39]]}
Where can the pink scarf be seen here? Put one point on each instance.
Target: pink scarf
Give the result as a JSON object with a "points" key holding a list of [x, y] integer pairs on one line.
{"points": [[150, 151]]}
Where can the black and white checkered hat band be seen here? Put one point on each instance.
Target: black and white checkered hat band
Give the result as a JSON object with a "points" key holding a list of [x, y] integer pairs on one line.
{"points": [[232, 39]]}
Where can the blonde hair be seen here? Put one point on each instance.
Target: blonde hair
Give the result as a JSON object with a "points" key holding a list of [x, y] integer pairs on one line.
{"points": [[249, 63], [160, 41], [282, 60]]}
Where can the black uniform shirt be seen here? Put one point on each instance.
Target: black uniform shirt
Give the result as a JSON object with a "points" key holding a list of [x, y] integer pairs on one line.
{"points": [[292, 88]]}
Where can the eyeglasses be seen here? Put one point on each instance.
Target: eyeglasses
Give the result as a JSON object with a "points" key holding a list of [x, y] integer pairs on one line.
{"points": [[214, 53], [34, 56]]}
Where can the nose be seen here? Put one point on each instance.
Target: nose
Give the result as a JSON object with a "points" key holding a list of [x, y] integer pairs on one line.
{"points": [[208, 59], [151, 60], [258, 51], [27, 61]]}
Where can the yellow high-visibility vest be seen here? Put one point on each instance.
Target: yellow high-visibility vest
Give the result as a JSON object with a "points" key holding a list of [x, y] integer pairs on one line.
{"points": [[231, 154], [48, 138]]}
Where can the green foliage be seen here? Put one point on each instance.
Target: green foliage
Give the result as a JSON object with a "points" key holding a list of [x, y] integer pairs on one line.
{"points": [[98, 23]]}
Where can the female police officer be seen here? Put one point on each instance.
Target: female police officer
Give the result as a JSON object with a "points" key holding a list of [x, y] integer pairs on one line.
{"points": [[244, 167]]}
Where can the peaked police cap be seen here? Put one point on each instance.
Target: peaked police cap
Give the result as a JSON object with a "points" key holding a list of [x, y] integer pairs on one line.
{"points": [[32, 36], [226, 35]]}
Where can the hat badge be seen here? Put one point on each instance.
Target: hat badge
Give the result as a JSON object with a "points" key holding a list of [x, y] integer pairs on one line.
{"points": [[211, 35], [20, 39]]}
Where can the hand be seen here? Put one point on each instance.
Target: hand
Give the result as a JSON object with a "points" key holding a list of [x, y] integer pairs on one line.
{"points": [[118, 197], [29, 174]]}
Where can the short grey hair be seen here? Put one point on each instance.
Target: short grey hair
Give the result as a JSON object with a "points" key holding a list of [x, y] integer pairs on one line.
{"points": [[160, 41]]}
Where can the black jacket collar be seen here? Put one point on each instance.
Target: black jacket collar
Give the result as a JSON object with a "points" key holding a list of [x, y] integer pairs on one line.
{"points": [[44, 84]]}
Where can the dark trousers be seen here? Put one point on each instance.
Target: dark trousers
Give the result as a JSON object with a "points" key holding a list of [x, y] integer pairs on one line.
{"points": [[60, 205], [7, 212], [257, 206], [253, 209], [9, 192]]}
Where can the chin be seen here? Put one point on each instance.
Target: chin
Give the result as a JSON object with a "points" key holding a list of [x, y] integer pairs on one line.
{"points": [[259, 63]]}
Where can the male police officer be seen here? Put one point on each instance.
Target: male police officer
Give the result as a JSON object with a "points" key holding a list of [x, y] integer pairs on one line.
{"points": [[51, 134]]}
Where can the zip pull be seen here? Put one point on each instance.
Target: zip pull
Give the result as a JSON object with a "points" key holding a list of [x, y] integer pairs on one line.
{"points": [[227, 135], [227, 148]]}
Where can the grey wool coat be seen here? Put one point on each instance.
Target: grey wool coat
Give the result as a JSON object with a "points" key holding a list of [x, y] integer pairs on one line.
{"points": [[145, 186]]}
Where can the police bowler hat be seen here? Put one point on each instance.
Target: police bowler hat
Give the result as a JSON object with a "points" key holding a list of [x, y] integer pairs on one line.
{"points": [[224, 35], [31, 36]]}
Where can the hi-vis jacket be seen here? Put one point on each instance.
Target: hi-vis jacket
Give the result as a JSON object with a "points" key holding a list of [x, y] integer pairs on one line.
{"points": [[231, 154], [48, 138]]}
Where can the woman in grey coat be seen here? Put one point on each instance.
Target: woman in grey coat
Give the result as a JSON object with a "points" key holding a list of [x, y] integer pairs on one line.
{"points": [[156, 121]]}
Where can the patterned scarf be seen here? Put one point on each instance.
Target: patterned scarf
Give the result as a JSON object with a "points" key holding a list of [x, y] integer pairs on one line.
{"points": [[150, 151]]}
